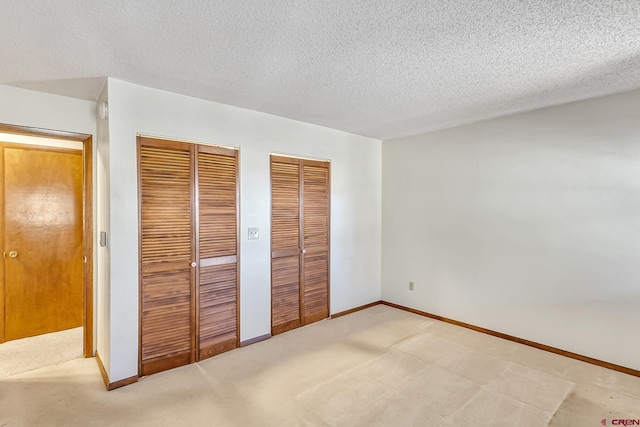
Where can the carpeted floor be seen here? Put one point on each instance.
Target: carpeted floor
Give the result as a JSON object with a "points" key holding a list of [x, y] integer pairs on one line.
{"points": [[31, 353], [377, 367]]}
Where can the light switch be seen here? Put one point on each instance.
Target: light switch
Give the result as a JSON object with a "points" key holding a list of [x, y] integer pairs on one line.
{"points": [[103, 239], [254, 233]]}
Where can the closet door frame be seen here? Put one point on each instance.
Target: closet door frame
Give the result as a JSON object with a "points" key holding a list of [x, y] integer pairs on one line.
{"points": [[300, 161], [195, 234]]}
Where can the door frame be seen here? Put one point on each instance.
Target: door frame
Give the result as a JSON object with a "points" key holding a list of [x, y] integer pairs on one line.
{"points": [[87, 229]]}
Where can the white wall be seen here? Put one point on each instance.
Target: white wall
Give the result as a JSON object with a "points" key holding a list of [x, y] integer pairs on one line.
{"points": [[355, 204], [103, 298], [42, 110], [29, 108], [527, 225]]}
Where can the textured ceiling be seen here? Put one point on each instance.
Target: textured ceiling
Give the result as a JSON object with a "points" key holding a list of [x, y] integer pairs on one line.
{"points": [[377, 68]]}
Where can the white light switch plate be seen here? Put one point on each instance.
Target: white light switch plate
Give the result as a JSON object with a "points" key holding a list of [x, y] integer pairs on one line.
{"points": [[254, 233]]}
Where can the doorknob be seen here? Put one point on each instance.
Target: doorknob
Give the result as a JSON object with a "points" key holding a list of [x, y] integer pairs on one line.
{"points": [[13, 254], [304, 251], [193, 264]]}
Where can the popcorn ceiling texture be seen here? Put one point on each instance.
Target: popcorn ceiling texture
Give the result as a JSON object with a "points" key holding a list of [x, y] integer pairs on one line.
{"points": [[377, 68]]}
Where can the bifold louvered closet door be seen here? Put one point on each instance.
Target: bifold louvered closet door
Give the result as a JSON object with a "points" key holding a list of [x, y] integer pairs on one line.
{"points": [[188, 253], [299, 242], [217, 236]]}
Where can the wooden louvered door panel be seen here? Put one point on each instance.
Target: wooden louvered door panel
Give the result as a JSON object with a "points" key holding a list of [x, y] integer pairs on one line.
{"points": [[218, 249], [166, 253], [315, 264], [285, 244], [299, 242]]}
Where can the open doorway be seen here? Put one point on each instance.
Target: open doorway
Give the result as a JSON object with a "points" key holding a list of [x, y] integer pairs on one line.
{"points": [[46, 230]]}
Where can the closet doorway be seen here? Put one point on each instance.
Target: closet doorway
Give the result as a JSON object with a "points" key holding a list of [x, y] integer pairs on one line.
{"points": [[300, 206], [189, 246]]}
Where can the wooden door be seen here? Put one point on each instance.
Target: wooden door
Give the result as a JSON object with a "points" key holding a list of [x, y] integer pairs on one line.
{"points": [[285, 244], [43, 244], [299, 242], [189, 253], [315, 261], [218, 313], [166, 255]]}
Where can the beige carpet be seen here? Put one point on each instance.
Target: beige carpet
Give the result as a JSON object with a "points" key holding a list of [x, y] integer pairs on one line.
{"points": [[377, 367], [32, 353]]}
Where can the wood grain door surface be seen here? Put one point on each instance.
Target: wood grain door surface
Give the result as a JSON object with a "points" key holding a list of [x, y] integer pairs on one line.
{"points": [[217, 251], [299, 242], [167, 253], [285, 244], [315, 264], [188, 250], [43, 241]]}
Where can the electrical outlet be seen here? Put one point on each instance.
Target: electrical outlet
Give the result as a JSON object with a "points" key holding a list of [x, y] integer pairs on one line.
{"points": [[410, 286], [254, 233]]}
